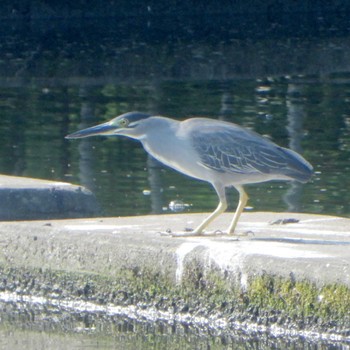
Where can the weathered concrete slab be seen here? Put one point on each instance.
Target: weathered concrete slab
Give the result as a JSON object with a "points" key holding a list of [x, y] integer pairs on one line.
{"points": [[23, 198], [296, 273]]}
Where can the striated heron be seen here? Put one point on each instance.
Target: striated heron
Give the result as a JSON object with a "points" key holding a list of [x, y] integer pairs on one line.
{"points": [[221, 153]]}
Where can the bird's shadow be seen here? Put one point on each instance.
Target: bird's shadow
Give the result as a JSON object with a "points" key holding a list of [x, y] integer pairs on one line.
{"points": [[299, 241]]}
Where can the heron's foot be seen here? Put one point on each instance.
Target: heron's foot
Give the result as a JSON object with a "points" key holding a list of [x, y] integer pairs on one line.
{"points": [[241, 234], [188, 232]]}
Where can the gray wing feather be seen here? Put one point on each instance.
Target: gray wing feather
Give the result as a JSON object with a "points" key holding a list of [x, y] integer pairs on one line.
{"points": [[238, 151]]}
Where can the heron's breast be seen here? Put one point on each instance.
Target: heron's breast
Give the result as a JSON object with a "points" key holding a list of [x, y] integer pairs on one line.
{"points": [[177, 154]]}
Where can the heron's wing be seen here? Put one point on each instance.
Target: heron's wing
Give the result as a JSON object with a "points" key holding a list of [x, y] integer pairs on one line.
{"points": [[238, 151]]}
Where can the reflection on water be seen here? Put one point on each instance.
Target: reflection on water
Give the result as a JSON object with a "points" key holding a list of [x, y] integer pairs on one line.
{"points": [[303, 113], [45, 327]]}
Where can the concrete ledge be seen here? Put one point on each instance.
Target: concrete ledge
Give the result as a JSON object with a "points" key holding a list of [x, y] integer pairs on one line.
{"points": [[294, 275], [25, 198]]}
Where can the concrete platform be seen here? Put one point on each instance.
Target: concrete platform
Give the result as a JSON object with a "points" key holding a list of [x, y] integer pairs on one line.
{"points": [[24, 198], [291, 275]]}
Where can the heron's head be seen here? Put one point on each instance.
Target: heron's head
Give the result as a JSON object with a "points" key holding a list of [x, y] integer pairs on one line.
{"points": [[129, 124]]}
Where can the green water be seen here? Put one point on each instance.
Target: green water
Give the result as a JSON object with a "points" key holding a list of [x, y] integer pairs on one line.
{"points": [[290, 86], [36, 119]]}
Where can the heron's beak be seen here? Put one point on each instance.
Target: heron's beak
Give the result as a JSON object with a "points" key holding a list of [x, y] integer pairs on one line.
{"points": [[101, 129]]}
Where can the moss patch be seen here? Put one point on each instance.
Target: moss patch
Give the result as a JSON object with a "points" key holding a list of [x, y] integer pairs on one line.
{"points": [[301, 301]]}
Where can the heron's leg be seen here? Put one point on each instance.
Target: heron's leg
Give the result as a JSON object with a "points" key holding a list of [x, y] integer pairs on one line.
{"points": [[219, 210], [243, 199]]}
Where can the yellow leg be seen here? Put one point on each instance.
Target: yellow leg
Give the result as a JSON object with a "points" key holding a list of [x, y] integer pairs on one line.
{"points": [[220, 190], [243, 199], [219, 210]]}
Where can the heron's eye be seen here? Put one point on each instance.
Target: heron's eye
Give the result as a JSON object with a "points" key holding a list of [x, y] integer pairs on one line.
{"points": [[123, 123]]}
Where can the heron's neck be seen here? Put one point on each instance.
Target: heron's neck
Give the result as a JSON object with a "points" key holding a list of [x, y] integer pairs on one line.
{"points": [[166, 144], [160, 140]]}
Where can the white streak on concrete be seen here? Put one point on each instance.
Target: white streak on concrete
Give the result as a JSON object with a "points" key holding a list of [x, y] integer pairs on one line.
{"points": [[316, 231], [321, 219], [97, 227], [225, 255], [244, 281], [280, 250], [181, 254], [230, 255]]}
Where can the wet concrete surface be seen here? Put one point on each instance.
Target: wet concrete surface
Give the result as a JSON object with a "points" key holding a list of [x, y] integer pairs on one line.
{"points": [[127, 261], [316, 247]]}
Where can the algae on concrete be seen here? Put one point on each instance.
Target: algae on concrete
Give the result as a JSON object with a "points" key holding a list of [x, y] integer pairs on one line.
{"points": [[267, 299]]}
